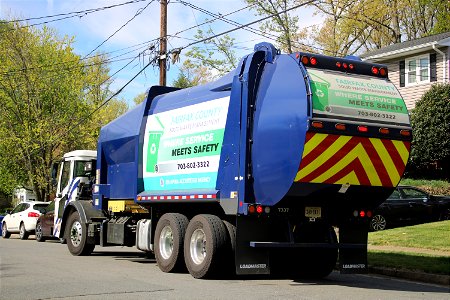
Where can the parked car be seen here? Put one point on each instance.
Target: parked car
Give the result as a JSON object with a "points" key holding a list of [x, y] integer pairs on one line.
{"points": [[22, 219], [1, 219], [45, 223], [410, 205]]}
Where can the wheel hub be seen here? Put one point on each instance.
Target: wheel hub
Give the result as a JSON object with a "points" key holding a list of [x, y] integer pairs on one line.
{"points": [[198, 246], [76, 233], [166, 242]]}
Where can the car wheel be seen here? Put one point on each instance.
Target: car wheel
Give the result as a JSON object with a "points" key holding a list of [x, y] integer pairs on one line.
{"points": [[445, 215], [76, 236], [169, 238], [5, 233], [378, 222], [205, 246], [23, 234], [39, 235]]}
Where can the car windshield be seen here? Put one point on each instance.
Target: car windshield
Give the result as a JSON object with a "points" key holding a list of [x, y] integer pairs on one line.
{"points": [[40, 207]]}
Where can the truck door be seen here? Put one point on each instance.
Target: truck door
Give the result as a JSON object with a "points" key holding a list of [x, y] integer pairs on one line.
{"points": [[62, 190]]}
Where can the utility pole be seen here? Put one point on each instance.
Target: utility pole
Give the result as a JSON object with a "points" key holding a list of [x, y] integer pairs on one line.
{"points": [[163, 44]]}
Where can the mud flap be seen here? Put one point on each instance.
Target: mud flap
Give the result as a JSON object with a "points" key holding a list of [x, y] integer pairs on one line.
{"points": [[353, 249], [249, 260]]}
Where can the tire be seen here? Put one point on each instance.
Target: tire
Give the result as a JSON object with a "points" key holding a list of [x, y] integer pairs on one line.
{"points": [[377, 223], [230, 248], [169, 237], [5, 233], [76, 236], [39, 235], [205, 246], [445, 215], [23, 234]]}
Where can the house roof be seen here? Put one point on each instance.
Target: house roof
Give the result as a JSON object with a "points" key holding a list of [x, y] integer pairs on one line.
{"points": [[408, 47]]}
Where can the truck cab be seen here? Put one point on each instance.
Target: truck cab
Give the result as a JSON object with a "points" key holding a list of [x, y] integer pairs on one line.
{"points": [[73, 176]]}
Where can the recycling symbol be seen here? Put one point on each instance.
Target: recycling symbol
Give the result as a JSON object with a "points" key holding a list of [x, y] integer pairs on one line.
{"points": [[320, 93], [153, 148]]}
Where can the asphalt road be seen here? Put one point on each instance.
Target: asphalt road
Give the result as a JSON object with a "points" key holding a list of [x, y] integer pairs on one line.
{"points": [[31, 270]]}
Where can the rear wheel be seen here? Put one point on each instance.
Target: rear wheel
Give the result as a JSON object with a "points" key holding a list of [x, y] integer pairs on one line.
{"points": [[5, 233], [378, 222], [39, 235], [169, 237], [23, 234], [76, 233], [205, 246]]}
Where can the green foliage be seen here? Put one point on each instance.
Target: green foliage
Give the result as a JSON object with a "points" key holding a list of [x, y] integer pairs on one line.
{"points": [[430, 120], [47, 94], [140, 98], [284, 25], [217, 56], [434, 187], [356, 26]]}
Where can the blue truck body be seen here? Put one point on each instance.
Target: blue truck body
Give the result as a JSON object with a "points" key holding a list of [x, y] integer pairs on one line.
{"points": [[278, 152]]}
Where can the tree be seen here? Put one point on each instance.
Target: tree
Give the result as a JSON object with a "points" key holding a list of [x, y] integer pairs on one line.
{"points": [[140, 98], [431, 132], [191, 75], [353, 27], [47, 94], [284, 25], [214, 60]]}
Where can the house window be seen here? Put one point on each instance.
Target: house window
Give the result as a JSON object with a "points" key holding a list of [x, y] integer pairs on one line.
{"points": [[417, 70]]}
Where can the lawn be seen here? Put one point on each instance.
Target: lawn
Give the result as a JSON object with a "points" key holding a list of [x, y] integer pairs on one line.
{"points": [[434, 236]]}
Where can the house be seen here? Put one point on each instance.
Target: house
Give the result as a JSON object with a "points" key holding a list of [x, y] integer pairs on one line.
{"points": [[21, 194], [414, 66]]}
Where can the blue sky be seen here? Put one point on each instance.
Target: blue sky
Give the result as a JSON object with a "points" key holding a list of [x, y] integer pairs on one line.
{"points": [[90, 30]]}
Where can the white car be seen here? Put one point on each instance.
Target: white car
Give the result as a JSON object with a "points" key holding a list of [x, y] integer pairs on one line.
{"points": [[22, 219]]}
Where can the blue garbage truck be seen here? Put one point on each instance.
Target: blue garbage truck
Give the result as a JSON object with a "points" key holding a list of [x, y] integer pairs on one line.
{"points": [[273, 168]]}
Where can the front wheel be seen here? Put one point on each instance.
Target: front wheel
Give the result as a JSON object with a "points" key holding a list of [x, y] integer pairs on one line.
{"points": [[5, 233], [39, 235], [76, 233], [205, 246], [23, 234], [378, 222]]}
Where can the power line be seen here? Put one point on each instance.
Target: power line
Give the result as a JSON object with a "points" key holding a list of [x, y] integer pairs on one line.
{"points": [[68, 15], [267, 35], [138, 12]]}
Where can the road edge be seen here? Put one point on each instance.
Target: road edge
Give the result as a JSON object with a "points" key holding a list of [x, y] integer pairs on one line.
{"points": [[412, 275]]}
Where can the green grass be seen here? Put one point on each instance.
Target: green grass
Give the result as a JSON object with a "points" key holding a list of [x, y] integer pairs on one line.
{"points": [[435, 236], [407, 261]]}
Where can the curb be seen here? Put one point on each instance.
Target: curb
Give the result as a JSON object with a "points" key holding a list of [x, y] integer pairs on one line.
{"points": [[412, 275]]}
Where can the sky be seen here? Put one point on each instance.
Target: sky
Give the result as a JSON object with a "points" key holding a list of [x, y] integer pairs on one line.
{"points": [[92, 29]]}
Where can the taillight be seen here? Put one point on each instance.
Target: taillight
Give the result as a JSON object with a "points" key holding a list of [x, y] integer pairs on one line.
{"points": [[340, 126], [257, 208], [33, 215], [313, 61], [405, 132], [317, 124], [384, 130], [362, 128], [375, 71]]}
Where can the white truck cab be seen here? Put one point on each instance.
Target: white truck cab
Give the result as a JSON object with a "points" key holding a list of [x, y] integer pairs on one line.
{"points": [[75, 169]]}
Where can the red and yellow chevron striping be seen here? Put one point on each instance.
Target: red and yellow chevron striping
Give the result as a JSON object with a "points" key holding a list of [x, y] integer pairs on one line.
{"points": [[339, 159]]}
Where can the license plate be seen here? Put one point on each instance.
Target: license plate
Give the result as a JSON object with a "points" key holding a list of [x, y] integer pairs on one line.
{"points": [[313, 212]]}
